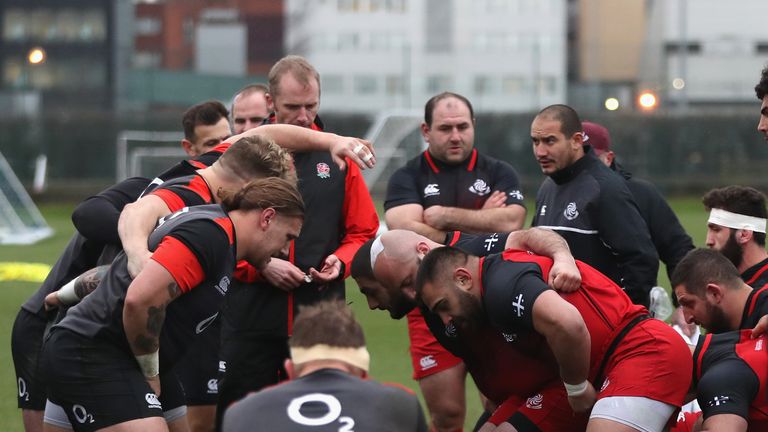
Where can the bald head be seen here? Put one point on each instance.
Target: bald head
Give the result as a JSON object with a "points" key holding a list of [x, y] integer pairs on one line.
{"points": [[385, 269]]}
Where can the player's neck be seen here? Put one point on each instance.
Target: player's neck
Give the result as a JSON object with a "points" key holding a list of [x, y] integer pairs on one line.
{"points": [[736, 309], [752, 255]]}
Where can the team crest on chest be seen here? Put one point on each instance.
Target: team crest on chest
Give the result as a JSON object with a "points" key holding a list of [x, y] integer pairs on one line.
{"points": [[432, 189], [571, 212], [323, 170], [480, 187]]}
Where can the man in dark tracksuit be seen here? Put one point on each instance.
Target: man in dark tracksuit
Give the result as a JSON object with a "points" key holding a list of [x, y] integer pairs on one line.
{"points": [[669, 237], [590, 206], [259, 309]]}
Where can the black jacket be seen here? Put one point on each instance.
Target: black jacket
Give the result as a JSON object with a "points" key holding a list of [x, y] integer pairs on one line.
{"points": [[592, 208]]}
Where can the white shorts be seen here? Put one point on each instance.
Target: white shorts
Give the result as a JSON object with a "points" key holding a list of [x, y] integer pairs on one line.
{"points": [[643, 414]]}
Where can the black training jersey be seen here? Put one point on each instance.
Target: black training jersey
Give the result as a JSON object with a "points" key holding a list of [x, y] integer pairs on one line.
{"points": [[188, 167], [183, 192], [477, 244], [328, 400], [757, 275], [197, 247], [731, 376], [755, 308], [427, 181], [590, 206]]}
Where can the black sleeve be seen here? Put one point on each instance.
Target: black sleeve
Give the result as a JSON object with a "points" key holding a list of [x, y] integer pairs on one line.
{"points": [[511, 289], [482, 244], [507, 180], [207, 240], [96, 217], [669, 237], [402, 189], [630, 240], [727, 387]]}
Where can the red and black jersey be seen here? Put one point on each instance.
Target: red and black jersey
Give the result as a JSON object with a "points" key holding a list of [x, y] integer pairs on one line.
{"points": [[757, 275], [512, 281], [197, 247], [427, 181], [339, 217], [188, 167], [755, 308], [184, 192], [731, 373]]}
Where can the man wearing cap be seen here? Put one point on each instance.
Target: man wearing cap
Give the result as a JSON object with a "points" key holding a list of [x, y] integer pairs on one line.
{"points": [[590, 206], [328, 390], [736, 228], [668, 236]]}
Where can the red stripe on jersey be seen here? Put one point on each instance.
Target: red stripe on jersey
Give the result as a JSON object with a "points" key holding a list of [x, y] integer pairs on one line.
{"points": [[199, 186], [171, 199], [197, 164], [180, 262], [756, 275], [221, 148], [753, 302], [480, 275], [226, 223], [472, 161], [455, 237], [291, 258], [704, 346], [431, 162]]}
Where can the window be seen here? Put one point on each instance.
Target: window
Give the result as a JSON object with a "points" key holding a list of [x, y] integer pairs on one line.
{"points": [[365, 84], [482, 85], [438, 83], [147, 60], [332, 84], [512, 85], [65, 25], [394, 85], [146, 26]]}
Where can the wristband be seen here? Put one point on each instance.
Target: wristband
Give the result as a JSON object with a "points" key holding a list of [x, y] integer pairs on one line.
{"points": [[575, 390], [67, 295], [149, 364]]}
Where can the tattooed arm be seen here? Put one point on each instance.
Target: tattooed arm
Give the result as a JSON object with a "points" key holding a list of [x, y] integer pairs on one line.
{"points": [[77, 289], [144, 314]]}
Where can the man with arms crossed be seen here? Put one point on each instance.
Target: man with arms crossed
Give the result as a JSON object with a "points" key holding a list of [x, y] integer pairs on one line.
{"points": [[449, 187]]}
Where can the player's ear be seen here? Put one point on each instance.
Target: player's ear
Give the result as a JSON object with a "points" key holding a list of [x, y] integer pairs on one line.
{"points": [[425, 131], [462, 278], [186, 145], [422, 248], [714, 292], [266, 217], [290, 369], [743, 236]]}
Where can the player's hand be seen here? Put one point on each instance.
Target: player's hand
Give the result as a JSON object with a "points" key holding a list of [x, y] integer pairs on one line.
{"points": [[283, 274], [564, 275], [154, 383], [761, 328], [498, 199], [434, 216], [52, 301], [505, 427], [678, 319], [487, 427], [585, 401], [328, 272], [136, 262], [358, 150]]}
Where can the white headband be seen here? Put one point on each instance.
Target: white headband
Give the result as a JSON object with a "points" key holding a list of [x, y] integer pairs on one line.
{"points": [[376, 248], [357, 357], [736, 221]]}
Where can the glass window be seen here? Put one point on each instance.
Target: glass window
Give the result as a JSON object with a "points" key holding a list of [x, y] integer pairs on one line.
{"points": [[394, 85], [332, 84], [482, 85], [147, 60], [15, 25], [512, 84], [147, 26], [365, 84], [438, 83]]}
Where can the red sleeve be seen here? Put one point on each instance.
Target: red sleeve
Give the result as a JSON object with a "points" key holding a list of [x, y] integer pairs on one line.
{"points": [[170, 198], [180, 262], [360, 219]]}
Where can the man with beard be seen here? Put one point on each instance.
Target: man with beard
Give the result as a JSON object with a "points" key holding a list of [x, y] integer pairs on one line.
{"points": [[712, 293], [761, 91], [634, 369], [736, 228]]}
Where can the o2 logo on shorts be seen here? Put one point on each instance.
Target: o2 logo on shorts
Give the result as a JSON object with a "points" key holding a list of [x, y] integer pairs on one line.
{"points": [[334, 412], [152, 401], [23, 393], [81, 414]]}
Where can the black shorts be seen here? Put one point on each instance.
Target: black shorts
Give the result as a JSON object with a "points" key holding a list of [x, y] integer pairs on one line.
{"points": [[26, 343], [251, 365], [198, 370], [98, 384]]}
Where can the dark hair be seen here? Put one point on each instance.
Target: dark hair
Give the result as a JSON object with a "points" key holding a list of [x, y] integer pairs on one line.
{"points": [[297, 66], [271, 192], [437, 263], [700, 267], [361, 263], [739, 199], [247, 91], [761, 89], [429, 108], [570, 123], [207, 113], [257, 156], [329, 323]]}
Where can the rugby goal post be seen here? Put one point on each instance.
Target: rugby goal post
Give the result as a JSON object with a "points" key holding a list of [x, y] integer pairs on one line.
{"points": [[20, 221], [146, 153]]}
